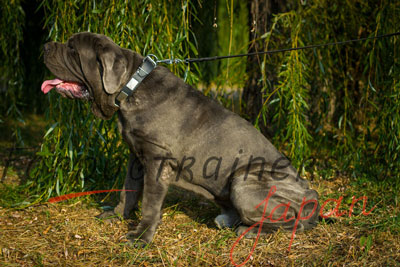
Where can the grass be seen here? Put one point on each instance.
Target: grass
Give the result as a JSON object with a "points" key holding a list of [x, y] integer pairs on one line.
{"points": [[67, 234]]}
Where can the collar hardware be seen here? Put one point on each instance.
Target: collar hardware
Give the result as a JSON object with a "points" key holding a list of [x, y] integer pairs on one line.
{"points": [[142, 72]]}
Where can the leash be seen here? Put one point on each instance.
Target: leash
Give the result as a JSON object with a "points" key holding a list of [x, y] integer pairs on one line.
{"points": [[192, 60], [151, 61]]}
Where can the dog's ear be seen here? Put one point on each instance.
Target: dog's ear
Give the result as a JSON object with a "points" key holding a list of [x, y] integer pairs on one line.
{"points": [[113, 67]]}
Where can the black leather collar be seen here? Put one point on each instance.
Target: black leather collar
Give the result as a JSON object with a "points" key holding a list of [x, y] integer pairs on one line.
{"points": [[144, 69]]}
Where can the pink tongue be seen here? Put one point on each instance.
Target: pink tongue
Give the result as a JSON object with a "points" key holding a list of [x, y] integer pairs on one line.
{"points": [[49, 84], [71, 86]]}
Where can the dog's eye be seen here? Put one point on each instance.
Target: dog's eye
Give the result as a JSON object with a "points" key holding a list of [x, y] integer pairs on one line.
{"points": [[70, 46]]}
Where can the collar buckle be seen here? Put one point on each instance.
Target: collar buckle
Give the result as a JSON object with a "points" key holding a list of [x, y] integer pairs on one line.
{"points": [[141, 73]]}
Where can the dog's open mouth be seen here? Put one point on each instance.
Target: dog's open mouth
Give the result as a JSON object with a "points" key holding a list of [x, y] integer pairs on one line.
{"points": [[66, 89]]}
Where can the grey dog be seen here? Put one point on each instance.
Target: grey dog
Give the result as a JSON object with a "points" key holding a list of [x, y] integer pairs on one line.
{"points": [[178, 136]]}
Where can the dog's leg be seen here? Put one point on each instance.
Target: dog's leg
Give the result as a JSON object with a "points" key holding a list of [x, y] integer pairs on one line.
{"points": [[276, 208], [154, 192], [128, 199], [133, 181]]}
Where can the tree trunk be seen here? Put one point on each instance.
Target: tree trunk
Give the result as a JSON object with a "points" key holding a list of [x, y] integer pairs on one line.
{"points": [[260, 20]]}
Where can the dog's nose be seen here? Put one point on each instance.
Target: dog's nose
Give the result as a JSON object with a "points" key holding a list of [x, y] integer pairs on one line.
{"points": [[46, 48]]}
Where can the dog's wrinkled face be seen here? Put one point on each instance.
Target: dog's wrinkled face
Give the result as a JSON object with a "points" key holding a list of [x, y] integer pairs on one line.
{"points": [[88, 66]]}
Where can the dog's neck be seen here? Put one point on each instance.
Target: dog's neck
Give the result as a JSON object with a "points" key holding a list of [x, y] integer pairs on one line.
{"points": [[142, 71], [134, 61]]}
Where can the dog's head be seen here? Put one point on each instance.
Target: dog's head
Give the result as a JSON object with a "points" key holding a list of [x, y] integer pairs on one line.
{"points": [[88, 66]]}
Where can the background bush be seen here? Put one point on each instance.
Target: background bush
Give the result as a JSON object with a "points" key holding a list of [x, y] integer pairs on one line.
{"points": [[330, 109]]}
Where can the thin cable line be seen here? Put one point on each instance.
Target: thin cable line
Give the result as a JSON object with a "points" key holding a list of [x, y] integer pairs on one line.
{"points": [[192, 60]]}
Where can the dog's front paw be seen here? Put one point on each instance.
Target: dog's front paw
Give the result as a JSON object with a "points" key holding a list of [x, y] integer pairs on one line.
{"points": [[142, 234], [135, 240], [108, 215]]}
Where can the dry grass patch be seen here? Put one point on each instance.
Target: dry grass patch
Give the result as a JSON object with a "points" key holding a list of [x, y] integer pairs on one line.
{"points": [[67, 234]]}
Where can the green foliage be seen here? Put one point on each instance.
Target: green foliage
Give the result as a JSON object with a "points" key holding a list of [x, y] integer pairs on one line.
{"points": [[221, 29], [80, 152], [232, 38], [337, 101], [12, 20], [292, 93]]}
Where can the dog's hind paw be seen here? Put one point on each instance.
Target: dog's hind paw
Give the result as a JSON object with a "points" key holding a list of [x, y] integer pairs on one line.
{"points": [[226, 220]]}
